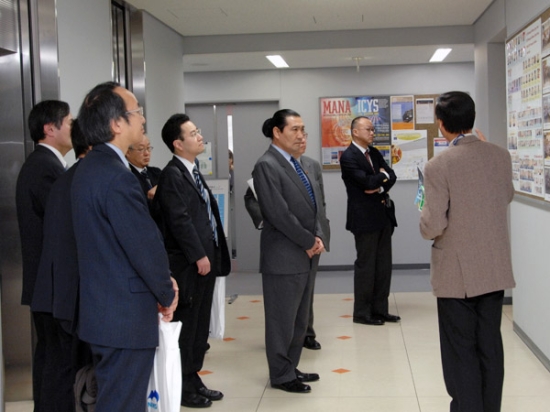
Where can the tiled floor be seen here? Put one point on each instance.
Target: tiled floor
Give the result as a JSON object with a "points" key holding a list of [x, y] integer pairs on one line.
{"points": [[393, 368]]}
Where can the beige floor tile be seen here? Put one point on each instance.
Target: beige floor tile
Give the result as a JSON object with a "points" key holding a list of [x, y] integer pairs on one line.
{"points": [[304, 403]]}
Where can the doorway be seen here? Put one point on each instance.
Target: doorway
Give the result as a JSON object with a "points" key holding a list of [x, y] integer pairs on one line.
{"points": [[237, 127]]}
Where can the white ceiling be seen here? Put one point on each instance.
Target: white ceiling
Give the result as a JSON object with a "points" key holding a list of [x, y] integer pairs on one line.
{"points": [[227, 19]]}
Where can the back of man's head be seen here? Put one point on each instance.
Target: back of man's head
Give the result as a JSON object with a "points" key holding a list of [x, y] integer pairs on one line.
{"points": [[457, 111], [100, 106], [172, 129], [46, 112], [80, 143]]}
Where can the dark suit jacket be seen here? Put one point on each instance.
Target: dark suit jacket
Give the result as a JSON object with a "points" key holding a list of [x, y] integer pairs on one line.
{"points": [[290, 219], [365, 212], [39, 172], [152, 172], [182, 216], [56, 289], [123, 266]]}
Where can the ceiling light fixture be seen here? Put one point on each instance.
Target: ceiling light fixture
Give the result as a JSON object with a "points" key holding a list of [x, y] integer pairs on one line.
{"points": [[277, 61], [357, 60], [440, 55]]}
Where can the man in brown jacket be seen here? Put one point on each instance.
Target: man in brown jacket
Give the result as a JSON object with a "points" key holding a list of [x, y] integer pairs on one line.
{"points": [[468, 188]]}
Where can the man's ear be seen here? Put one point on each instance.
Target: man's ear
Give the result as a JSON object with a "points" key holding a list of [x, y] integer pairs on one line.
{"points": [[48, 129], [116, 126]]}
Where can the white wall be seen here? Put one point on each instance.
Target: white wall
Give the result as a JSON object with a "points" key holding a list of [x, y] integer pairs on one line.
{"points": [[164, 91], [84, 47], [300, 90]]}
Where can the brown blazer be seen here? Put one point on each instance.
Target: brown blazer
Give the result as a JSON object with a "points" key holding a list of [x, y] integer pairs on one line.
{"points": [[468, 188]]}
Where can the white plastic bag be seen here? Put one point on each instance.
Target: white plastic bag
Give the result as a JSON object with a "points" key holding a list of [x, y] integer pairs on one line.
{"points": [[217, 314], [164, 390]]}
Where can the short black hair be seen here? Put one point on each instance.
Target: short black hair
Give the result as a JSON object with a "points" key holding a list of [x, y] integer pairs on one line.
{"points": [[457, 111], [278, 120], [46, 112], [80, 143], [172, 129], [100, 106]]}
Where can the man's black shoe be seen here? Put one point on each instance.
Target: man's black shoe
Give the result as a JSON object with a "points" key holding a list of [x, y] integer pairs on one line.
{"points": [[194, 400], [368, 321], [388, 318], [311, 343], [307, 377], [210, 394], [294, 386]]}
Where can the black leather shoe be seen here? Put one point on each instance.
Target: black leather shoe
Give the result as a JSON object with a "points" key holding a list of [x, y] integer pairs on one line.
{"points": [[389, 318], [194, 400], [311, 343], [368, 321], [294, 386], [210, 394], [307, 377]]}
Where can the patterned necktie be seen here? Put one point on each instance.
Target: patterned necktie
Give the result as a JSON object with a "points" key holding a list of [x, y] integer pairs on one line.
{"points": [[367, 155], [304, 179], [146, 176], [206, 197]]}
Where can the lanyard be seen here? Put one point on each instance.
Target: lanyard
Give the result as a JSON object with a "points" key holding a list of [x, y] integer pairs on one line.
{"points": [[456, 139]]}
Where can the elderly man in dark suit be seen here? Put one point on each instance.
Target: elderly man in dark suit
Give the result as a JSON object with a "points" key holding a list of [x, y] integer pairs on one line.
{"points": [[468, 190], [291, 242], [368, 178], [139, 156], [124, 272], [56, 288], [189, 219], [50, 128]]}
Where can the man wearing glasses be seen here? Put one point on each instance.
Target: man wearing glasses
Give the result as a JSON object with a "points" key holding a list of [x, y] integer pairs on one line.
{"points": [[188, 217], [368, 178], [139, 156]]}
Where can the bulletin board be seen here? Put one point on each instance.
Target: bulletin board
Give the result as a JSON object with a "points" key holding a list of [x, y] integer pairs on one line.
{"points": [[528, 107], [405, 125]]}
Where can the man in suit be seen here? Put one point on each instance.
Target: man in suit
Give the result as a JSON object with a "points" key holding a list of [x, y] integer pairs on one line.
{"points": [[368, 178], [312, 169], [56, 288], [188, 217], [50, 129], [139, 156], [124, 272], [468, 188], [291, 242]]}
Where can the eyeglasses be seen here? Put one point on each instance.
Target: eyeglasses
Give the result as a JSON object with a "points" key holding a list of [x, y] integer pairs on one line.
{"points": [[143, 149], [194, 133], [368, 129], [138, 110]]}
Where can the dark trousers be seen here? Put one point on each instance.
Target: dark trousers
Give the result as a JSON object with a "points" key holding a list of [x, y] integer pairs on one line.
{"points": [[471, 351], [372, 277], [122, 377], [310, 332], [287, 305], [195, 329]]}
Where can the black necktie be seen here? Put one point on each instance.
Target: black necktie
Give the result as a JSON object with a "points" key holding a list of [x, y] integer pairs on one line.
{"points": [[146, 176]]}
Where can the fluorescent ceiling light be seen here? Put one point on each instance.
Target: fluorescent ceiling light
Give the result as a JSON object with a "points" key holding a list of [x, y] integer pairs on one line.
{"points": [[277, 61], [440, 55]]}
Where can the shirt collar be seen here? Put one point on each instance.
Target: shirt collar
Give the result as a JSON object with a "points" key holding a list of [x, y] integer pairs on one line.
{"points": [[286, 155], [188, 165], [120, 154], [363, 150]]}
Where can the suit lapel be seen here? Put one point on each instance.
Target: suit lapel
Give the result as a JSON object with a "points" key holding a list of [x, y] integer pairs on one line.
{"points": [[362, 159], [291, 173], [186, 175]]}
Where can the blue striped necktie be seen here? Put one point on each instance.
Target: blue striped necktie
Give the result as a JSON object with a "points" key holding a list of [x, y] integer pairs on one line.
{"points": [[304, 180], [206, 197]]}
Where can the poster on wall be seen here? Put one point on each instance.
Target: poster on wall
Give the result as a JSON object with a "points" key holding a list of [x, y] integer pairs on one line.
{"points": [[336, 116], [528, 106], [411, 149], [402, 113]]}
